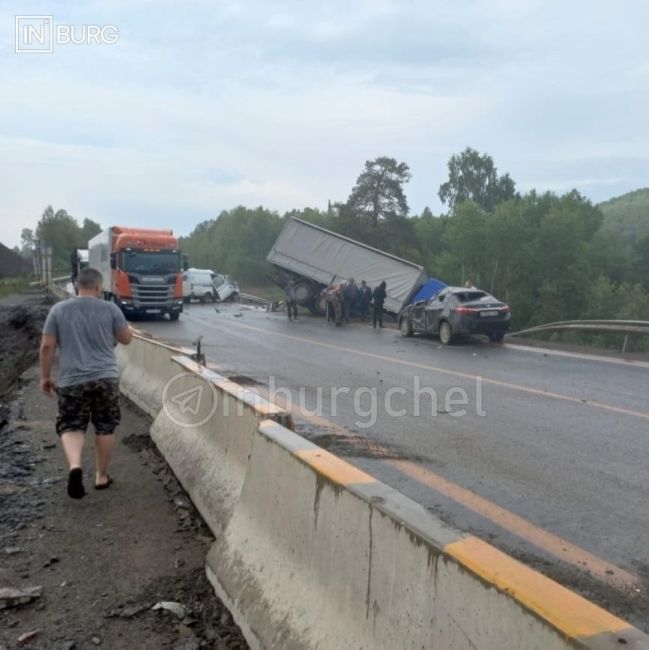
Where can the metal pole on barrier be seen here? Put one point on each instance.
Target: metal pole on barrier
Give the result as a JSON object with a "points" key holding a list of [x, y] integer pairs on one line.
{"points": [[43, 259], [36, 256], [49, 264]]}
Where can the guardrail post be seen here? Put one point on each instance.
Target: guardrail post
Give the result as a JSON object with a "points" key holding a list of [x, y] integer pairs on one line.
{"points": [[626, 340]]}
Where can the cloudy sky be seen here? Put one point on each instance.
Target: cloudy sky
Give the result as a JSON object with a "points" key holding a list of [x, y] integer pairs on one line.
{"points": [[201, 106]]}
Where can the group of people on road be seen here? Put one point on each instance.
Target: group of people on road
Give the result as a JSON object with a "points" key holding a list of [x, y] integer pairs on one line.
{"points": [[345, 301]]}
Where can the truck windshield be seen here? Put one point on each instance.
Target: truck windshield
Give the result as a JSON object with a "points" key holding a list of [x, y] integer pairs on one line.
{"points": [[151, 262]]}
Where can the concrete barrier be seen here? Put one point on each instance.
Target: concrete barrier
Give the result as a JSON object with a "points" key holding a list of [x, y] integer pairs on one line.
{"points": [[205, 431], [311, 552], [146, 366], [319, 554], [58, 291]]}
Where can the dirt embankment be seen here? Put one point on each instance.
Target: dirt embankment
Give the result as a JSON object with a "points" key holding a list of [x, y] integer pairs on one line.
{"points": [[21, 322], [88, 573]]}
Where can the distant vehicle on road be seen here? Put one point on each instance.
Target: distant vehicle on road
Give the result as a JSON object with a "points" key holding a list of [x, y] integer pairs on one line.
{"points": [[204, 284], [314, 258], [455, 312], [226, 288], [141, 268], [198, 284], [78, 260]]}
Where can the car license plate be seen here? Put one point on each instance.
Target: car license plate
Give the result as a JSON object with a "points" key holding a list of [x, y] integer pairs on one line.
{"points": [[490, 312], [152, 311]]}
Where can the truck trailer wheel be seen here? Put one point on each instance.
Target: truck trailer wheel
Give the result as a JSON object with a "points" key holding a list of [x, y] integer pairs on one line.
{"points": [[319, 306], [304, 293]]}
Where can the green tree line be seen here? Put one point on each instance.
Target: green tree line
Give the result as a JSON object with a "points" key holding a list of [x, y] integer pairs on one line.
{"points": [[62, 232], [551, 257], [547, 255]]}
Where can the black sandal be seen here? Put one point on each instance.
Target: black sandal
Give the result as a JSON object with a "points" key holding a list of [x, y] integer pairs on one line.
{"points": [[106, 485], [75, 484]]}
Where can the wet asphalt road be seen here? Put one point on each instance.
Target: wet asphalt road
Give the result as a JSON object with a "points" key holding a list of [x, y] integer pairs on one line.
{"points": [[559, 442]]}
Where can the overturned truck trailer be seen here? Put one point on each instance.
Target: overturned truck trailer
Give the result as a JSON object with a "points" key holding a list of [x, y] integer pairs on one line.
{"points": [[315, 257]]}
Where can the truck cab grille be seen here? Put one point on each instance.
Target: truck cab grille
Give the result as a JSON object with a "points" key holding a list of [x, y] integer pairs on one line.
{"points": [[152, 295]]}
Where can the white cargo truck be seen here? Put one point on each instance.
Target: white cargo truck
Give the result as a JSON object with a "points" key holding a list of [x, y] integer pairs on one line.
{"points": [[314, 257]]}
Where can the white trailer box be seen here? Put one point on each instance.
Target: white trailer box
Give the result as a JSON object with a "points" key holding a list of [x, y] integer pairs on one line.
{"points": [[99, 248], [310, 251]]}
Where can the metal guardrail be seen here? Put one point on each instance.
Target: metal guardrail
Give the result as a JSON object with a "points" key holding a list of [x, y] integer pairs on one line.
{"points": [[625, 327], [247, 297]]}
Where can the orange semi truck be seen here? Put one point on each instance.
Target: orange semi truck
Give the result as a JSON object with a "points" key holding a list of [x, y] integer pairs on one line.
{"points": [[141, 268]]}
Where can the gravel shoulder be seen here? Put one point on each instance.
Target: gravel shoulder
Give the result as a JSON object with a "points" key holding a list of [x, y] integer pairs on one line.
{"points": [[103, 562]]}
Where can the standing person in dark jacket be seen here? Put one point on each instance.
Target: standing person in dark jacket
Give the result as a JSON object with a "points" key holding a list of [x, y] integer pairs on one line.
{"points": [[291, 302], [350, 295], [364, 300], [379, 298]]}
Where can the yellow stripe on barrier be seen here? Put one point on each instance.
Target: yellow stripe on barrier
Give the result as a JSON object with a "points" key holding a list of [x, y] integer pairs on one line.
{"points": [[256, 401], [566, 611], [334, 468]]}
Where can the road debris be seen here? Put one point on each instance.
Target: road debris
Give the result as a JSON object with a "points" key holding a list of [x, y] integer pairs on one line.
{"points": [[129, 611], [27, 636], [175, 608], [17, 597]]}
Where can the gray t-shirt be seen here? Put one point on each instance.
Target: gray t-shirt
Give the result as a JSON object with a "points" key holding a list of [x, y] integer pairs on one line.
{"points": [[85, 329]]}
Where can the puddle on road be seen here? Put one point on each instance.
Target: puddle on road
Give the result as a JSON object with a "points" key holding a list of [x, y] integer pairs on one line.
{"points": [[242, 380], [349, 444]]}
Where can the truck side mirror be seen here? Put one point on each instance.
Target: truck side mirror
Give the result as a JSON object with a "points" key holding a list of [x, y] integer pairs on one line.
{"points": [[185, 262], [113, 261]]}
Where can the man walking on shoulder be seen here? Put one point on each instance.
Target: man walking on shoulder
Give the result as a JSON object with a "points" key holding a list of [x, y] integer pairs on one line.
{"points": [[85, 330]]}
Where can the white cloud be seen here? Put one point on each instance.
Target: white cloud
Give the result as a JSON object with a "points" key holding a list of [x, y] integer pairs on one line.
{"points": [[203, 106]]}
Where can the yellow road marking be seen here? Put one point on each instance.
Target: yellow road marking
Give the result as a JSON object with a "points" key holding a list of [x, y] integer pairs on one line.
{"points": [[549, 542], [539, 537], [565, 610], [543, 539]]}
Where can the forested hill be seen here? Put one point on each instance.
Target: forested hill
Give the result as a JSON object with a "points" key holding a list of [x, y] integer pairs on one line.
{"points": [[551, 257], [628, 215]]}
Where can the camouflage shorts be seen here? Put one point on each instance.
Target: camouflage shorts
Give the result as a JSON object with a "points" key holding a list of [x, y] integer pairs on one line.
{"points": [[93, 401]]}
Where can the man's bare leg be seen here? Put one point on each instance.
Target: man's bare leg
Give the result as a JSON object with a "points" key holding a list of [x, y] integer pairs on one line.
{"points": [[72, 442], [73, 447], [103, 451]]}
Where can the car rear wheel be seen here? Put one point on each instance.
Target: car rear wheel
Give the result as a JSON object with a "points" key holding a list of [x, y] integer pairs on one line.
{"points": [[445, 333], [405, 327], [496, 338]]}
